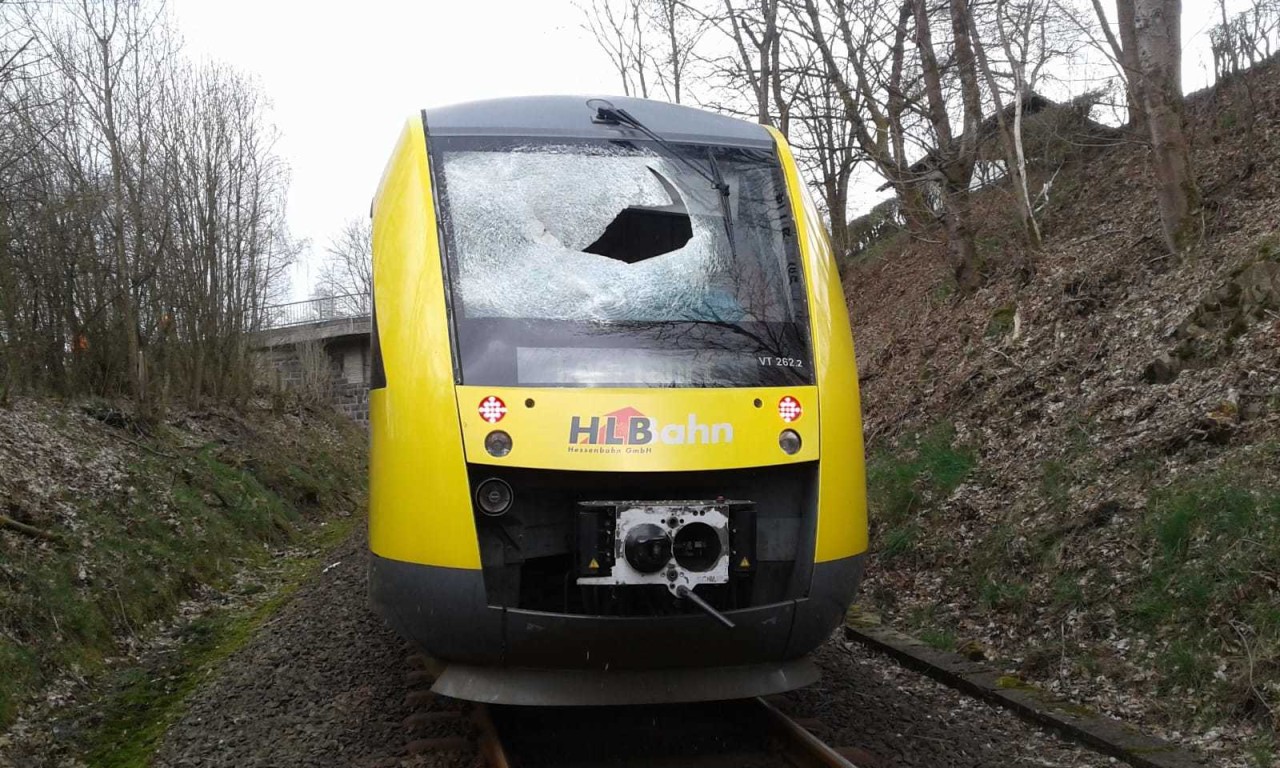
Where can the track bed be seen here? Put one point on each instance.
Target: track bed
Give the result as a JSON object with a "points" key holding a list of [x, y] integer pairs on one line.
{"points": [[324, 684]]}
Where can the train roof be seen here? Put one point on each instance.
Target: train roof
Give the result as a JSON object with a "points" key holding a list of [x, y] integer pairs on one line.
{"points": [[571, 117]]}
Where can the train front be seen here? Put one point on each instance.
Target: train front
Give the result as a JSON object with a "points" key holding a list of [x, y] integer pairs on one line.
{"points": [[616, 444]]}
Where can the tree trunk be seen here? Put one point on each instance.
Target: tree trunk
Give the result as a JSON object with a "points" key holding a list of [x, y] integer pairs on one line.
{"points": [[1129, 61], [1024, 192], [669, 19], [1010, 136], [837, 204], [955, 155], [1157, 23], [124, 276], [964, 254], [915, 211]]}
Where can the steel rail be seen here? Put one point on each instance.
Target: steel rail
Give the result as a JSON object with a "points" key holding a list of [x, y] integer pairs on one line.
{"points": [[806, 750], [794, 743], [789, 741], [492, 749]]}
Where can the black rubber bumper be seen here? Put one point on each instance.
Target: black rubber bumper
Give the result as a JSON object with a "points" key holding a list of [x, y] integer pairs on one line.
{"points": [[444, 612]]}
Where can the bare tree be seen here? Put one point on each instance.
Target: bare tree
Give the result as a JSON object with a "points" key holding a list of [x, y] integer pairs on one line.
{"points": [[618, 27], [1026, 37], [1123, 52], [347, 271], [864, 50], [755, 67], [897, 94], [955, 155], [1158, 27], [141, 207], [825, 147], [1245, 39], [680, 28]]}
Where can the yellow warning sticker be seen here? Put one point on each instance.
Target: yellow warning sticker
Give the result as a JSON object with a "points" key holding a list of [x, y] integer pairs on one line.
{"points": [[745, 562], [593, 565]]}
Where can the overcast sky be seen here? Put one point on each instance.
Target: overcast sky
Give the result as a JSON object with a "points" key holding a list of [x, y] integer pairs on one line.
{"points": [[344, 77]]}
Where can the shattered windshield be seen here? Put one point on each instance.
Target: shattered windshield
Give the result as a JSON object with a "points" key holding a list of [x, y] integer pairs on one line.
{"points": [[612, 245]]}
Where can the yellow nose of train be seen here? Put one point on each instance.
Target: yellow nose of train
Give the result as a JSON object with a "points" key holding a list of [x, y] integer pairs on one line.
{"points": [[616, 445]]}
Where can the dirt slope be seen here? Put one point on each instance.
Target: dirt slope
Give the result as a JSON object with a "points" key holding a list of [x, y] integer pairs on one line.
{"points": [[122, 540], [1077, 469]]}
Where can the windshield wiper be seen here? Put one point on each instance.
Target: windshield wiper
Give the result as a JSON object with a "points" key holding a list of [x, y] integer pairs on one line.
{"points": [[723, 188], [608, 113]]}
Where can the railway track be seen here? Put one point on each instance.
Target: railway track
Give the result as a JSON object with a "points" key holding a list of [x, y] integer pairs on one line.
{"points": [[748, 733]]}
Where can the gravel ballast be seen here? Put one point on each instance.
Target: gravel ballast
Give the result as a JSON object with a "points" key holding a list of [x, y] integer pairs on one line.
{"points": [[323, 684]]}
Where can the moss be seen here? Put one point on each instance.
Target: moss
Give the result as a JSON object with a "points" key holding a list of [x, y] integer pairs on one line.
{"points": [[145, 702], [1047, 700], [1268, 246], [1001, 321], [859, 616], [1066, 706], [1013, 682]]}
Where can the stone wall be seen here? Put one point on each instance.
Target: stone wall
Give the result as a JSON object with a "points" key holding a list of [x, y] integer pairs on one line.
{"points": [[336, 370]]}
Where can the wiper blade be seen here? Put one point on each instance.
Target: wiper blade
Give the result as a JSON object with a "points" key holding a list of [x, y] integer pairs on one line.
{"points": [[725, 210], [607, 112]]}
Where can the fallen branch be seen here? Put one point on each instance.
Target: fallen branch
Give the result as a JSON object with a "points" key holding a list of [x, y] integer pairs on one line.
{"points": [[28, 530]]}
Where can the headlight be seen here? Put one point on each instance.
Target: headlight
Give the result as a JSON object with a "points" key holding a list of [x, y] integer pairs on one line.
{"points": [[789, 441], [647, 548], [697, 547], [494, 496], [497, 443]]}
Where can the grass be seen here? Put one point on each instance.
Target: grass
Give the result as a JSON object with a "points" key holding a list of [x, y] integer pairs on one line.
{"points": [[1210, 591], [1195, 585], [178, 520], [1003, 595], [920, 469], [1263, 750], [899, 541], [1055, 485], [902, 483], [145, 702], [1268, 246], [1067, 592], [884, 248], [927, 624], [939, 639]]}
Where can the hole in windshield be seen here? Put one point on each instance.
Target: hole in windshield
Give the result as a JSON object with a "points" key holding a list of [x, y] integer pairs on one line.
{"points": [[637, 234], [641, 232]]}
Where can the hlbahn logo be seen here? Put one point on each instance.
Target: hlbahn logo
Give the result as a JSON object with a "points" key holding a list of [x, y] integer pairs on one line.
{"points": [[631, 427]]}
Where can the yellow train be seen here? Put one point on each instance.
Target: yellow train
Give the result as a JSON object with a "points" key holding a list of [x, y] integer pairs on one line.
{"points": [[616, 441]]}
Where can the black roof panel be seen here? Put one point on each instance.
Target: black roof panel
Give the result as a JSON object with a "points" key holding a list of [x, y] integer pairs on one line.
{"points": [[570, 117]]}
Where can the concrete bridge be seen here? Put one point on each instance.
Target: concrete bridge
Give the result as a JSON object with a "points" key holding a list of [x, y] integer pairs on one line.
{"points": [[321, 346]]}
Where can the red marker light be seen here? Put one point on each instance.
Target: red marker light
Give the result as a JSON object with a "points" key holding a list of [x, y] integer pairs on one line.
{"points": [[789, 409], [492, 409]]}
